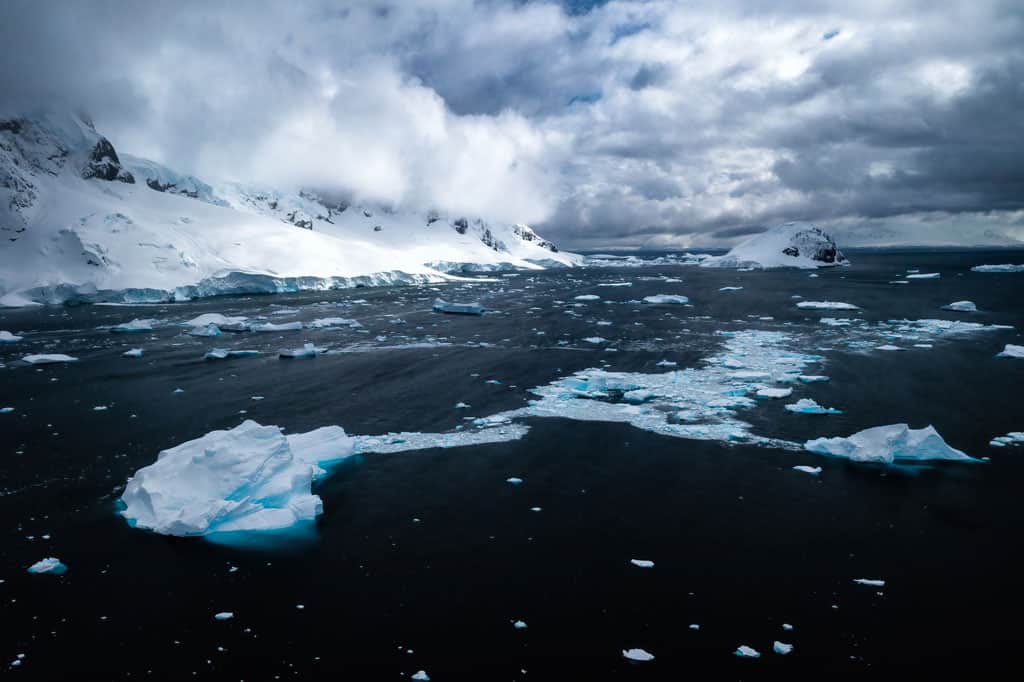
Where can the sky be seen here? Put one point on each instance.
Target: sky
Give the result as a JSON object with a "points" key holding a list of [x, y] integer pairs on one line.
{"points": [[627, 124]]}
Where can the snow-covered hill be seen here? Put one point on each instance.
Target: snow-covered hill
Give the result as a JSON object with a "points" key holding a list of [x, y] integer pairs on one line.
{"points": [[790, 245], [78, 221]]}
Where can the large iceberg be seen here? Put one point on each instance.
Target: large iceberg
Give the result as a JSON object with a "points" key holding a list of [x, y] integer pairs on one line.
{"points": [[791, 245], [249, 478], [888, 444]]}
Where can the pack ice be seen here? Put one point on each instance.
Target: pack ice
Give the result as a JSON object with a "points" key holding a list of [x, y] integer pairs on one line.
{"points": [[249, 478], [889, 444]]}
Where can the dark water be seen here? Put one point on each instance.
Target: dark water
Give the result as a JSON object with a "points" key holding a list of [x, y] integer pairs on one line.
{"points": [[742, 543]]}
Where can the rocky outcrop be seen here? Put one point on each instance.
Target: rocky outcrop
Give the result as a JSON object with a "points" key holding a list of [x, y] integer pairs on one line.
{"points": [[103, 164], [528, 235]]}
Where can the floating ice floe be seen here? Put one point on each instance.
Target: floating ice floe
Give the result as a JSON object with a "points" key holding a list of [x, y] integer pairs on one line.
{"points": [[666, 298], [224, 615], [745, 651], [271, 327], [408, 441], [870, 582], [307, 351], [7, 337], [6, 410], [596, 339], [48, 359], [327, 322], [642, 563], [961, 307], [731, 289], [809, 406], [133, 353], [774, 392], [224, 353], [812, 378], [442, 306], [637, 655], [421, 676], [587, 297], [134, 326], [826, 305], [249, 478], [205, 330], [1012, 438], [616, 284], [50, 565], [1004, 267], [924, 275], [781, 648], [889, 347], [1011, 351], [889, 444], [514, 481], [519, 625], [225, 322], [814, 471]]}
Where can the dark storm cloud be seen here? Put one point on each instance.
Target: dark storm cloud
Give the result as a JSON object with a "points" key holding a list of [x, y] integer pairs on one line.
{"points": [[624, 123]]}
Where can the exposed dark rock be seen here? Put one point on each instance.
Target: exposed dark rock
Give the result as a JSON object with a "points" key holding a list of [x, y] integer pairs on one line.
{"points": [[104, 164], [461, 225]]}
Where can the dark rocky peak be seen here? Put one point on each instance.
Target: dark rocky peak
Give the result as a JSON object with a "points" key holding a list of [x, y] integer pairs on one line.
{"points": [[103, 164]]}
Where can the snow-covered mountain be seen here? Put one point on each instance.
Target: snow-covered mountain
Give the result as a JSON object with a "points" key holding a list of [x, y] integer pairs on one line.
{"points": [[790, 245], [78, 221]]}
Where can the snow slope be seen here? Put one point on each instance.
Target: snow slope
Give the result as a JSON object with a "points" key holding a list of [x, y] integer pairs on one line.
{"points": [[790, 245], [80, 222]]}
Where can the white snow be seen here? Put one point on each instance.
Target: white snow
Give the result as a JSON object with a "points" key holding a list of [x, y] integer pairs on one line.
{"points": [[745, 651], [637, 655], [48, 359], [814, 471], [1004, 267], [50, 565], [666, 298], [642, 563], [826, 305], [962, 306], [7, 337], [809, 406], [442, 306], [1011, 351], [889, 444], [781, 648], [870, 582], [249, 478], [791, 245]]}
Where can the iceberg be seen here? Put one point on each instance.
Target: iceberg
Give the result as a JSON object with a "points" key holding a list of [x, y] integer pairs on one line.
{"points": [[271, 327], [222, 321], [1004, 267], [745, 651], [442, 306], [808, 406], [48, 359], [134, 326], [249, 478], [790, 245], [50, 565], [889, 444], [642, 563], [666, 298], [1011, 351], [781, 648], [813, 471], [826, 305], [7, 337], [224, 353], [307, 351], [637, 655], [961, 307]]}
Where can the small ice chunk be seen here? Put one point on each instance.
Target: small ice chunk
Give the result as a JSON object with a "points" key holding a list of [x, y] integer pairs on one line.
{"points": [[809, 406], [637, 655], [224, 353], [889, 347], [134, 326], [1012, 438], [442, 306], [731, 289], [745, 651], [888, 444], [596, 339], [812, 378], [1004, 267], [924, 275], [774, 392], [307, 351], [587, 297], [666, 363], [7, 337], [870, 582], [535, 509], [514, 480], [50, 565], [814, 471], [327, 322], [781, 648], [1011, 351], [694, 626], [787, 627], [826, 305], [271, 327], [421, 676], [519, 625], [48, 359], [6, 410], [666, 298], [218, 320], [461, 405], [642, 563], [133, 353], [205, 330], [224, 615], [962, 306]]}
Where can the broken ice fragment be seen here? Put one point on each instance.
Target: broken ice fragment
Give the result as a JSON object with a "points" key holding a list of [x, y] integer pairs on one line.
{"points": [[637, 655], [49, 565]]}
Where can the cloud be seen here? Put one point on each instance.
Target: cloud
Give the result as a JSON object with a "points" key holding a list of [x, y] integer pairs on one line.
{"points": [[641, 123]]}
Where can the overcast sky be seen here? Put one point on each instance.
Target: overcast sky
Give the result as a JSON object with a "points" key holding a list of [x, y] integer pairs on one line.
{"points": [[631, 124]]}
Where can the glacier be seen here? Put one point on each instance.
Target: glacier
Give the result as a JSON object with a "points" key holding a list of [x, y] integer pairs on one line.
{"points": [[889, 444]]}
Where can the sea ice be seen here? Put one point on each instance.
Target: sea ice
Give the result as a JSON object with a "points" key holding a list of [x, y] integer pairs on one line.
{"points": [[1011, 351], [888, 444], [271, 327], [595, 339], [774, 392], [249, 478], [50, 565], [228, 323], [134, 326], [745, 651], [514, 481], [924, 275], [307, 351], [812, 378], [1005, 267], [666, 298], [205, 330], [133, 353], [889, 347], [637, 655], [442, 306], [587, 297], [826, 305], [7, 337], [814, 471], [223, 353], [781, 648], [326, 322], [808, 406], [48, 359], [962, 307]]}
